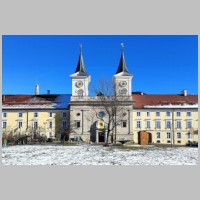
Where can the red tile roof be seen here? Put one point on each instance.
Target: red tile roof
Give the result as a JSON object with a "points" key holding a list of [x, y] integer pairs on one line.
{"points": [[151, 99]]}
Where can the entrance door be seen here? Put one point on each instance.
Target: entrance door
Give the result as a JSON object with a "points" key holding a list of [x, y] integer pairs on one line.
{"points": [[101, 136]]}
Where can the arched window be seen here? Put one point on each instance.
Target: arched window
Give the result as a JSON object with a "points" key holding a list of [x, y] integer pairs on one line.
{"points": [[124, 91], [80, 93]]}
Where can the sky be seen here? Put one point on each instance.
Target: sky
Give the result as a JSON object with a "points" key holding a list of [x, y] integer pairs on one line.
{"points": [[160, 64]]}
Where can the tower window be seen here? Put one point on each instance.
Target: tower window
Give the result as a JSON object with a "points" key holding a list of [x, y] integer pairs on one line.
{"points": [[78, 124], [80, 93], [124, 91], [124, 124]]}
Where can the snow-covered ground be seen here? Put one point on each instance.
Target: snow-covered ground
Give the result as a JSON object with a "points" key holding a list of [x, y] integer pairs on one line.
{"points": [[97, 155]]}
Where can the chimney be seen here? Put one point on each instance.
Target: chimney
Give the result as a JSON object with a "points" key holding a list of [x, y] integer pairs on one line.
{"points": [[36, 89], [48, 91], [184, 93]]}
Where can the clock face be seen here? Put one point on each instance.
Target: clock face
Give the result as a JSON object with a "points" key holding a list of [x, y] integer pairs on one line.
{"points": [[123, 83], [79, 84]]}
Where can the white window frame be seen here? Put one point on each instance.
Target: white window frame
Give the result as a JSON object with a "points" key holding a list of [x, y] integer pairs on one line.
{"points": [[148, 114], [20, 113], [189, 115], [178, 113], [158, 136], [168, 113], [178, 124], [138, 114], [148, 124], [4, 114], [168, 135], [179, 135], [157, 114], [35, 124], [50, 114], [138, 124], [158, 122], [50, 124], [189, 122], [20, 124], [4, 124], [35, 114], [168, 124]]}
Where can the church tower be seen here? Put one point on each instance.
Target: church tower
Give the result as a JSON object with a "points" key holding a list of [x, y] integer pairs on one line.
{"points": [[123, 79], [80, 79]]}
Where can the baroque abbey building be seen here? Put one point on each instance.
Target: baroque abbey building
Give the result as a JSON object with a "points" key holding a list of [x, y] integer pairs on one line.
{"points": [[167, 118]]}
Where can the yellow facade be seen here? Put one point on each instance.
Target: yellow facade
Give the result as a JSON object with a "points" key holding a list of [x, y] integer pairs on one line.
{"points": [[171, 133], [46, 120]]}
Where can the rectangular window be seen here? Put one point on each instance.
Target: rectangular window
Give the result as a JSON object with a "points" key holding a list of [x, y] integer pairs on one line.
{"points": [[20, 114], [35, 114], [4, 114], [179, 135], [50, 134], [168, 114], [35, 124], [148, 114], [168, 135], [50, 124], [178, 124], [148, 124], [168, 141], [50, 114], [157, 124], [64, 124], [4, 124], [188, 135], [124, 124], [178, 114], [158, 135], [168, 124], [158, 141], [78, 124], [189, 114], [19, 124], [189, 124], [138, 125], [157, 114], [138, 114], [64, 114], [179, 141]]}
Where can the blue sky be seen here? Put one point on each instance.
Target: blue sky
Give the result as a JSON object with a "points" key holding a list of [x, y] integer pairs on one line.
{"points": [[160, 64]]}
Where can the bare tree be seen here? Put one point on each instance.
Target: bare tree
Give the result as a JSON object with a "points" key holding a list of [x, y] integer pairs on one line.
{"points": [[113, 104], [64, 127]]}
